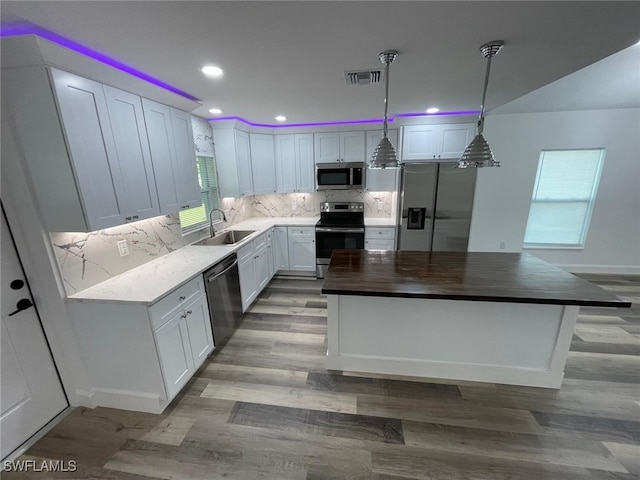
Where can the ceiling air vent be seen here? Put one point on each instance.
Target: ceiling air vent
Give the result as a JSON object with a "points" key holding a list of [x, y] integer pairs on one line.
{"points": [[364, 77]]}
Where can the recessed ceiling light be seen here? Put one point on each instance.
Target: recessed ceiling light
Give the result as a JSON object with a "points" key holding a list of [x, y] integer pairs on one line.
{"points": [[433, 110], [215, 111], [212, 71], [281, 118]]}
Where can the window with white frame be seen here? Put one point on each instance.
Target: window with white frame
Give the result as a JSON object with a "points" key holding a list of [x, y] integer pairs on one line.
{"points": [[563, 198], [198, 217]]}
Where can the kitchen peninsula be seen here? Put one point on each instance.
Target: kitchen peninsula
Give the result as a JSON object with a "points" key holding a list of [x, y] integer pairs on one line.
{"points": [[490, 317]]}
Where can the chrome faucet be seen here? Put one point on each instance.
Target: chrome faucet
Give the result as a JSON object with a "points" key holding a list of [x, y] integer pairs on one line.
{"points": [[211, 229]]}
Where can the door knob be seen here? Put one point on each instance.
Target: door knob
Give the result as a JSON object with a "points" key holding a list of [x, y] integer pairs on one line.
{"points": [[22, 304]]}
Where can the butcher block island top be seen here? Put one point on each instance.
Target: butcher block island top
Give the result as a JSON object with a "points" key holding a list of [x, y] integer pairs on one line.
{"points": [[472, 276]]}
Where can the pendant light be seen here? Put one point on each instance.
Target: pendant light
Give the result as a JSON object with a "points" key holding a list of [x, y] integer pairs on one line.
{"points": [[478, 153], [385, 156]]}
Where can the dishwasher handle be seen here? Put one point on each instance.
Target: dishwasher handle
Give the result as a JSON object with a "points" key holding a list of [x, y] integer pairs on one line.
{"points": [[215, 276]]}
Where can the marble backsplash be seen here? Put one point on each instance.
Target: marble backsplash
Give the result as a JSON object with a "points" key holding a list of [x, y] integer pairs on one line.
{"points": [[86, 259]]}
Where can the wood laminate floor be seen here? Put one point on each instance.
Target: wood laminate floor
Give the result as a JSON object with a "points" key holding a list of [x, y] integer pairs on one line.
{"points": [[264, 407]]}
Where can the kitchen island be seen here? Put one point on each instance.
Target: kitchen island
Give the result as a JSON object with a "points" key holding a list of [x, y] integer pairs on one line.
{"points": [[490, 317]]}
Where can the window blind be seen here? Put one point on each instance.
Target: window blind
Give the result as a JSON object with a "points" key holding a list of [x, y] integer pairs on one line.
{"points": [[198, 217], [563, 198]]}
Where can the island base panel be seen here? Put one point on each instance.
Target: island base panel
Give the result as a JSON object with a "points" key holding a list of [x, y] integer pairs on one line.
{"points": [[497, 342]]}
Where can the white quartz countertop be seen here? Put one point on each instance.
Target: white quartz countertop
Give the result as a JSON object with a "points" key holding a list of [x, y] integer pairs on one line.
{"points": [[380, 222], [150, 282]]}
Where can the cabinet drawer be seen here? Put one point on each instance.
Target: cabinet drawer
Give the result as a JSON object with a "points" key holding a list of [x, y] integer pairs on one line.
{"points": [[162, 311], [245, 253], [302, 231], [260, 242], [386, 233]]}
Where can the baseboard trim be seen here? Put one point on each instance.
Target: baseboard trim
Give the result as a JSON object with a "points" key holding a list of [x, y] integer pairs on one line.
{"points": [[122, 399], [602, 269]]}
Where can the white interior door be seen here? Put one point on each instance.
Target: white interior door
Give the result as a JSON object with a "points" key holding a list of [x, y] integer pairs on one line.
{"points": [[30, 390]]}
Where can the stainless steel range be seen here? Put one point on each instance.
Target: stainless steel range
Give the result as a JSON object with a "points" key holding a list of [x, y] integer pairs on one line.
{"points": [[341, 225]]}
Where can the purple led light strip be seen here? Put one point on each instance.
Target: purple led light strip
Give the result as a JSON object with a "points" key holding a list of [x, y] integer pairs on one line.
{"points": [[345, 122], [18, 29]]}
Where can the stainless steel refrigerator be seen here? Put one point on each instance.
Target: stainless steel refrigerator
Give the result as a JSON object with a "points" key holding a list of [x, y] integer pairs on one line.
{"points": [[437, 200]]}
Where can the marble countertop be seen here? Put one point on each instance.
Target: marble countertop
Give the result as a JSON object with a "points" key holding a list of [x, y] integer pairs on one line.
{"points": [[150, 282], [380, 222]]}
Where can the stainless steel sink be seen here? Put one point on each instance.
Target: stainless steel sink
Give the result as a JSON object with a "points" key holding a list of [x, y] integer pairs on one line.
{"points": [[230, 237]]}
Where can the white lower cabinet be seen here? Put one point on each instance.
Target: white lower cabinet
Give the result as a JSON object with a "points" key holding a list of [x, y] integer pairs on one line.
{"points": [[253, 267], [138, 357], [280, 245], [380, 238], [174, 352], [185, 341], [270, 252], [262, 267], [248, 275], [302, 248]]}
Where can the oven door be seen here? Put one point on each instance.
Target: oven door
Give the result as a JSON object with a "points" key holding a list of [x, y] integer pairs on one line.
{"points": [[335, 238]]}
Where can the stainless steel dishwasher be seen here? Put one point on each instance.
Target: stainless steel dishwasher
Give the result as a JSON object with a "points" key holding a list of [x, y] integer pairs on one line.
{"points": [[222, 283]]}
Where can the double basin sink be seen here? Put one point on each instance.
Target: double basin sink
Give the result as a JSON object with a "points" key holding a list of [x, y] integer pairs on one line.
{"points": [[230, 237]]}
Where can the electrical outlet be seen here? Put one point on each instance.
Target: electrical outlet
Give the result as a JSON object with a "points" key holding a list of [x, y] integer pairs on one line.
{"points": [[227, 213], [294, 206], [123, 248], [503, 244], [380, 205]]}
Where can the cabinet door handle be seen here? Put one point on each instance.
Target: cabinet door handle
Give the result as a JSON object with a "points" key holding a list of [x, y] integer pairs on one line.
{"points": [[182, 298], [189, 312], [128, 219], [135, 217], [183, 316]]}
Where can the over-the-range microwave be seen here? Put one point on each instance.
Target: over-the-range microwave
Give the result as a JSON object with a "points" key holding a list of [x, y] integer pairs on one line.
{"points": [[339, 176]]}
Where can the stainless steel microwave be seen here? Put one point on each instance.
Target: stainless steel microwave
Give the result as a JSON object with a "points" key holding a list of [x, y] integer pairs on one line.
{"points": [[339, 176]]}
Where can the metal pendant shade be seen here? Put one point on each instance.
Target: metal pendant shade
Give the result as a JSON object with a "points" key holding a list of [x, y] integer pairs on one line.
{"points": [[478, 153], [384, 155]]}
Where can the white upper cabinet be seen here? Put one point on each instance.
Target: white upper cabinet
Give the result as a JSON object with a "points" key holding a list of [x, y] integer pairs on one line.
{"points": [[352, 147], [455, 139], [285, 163], [233, 161], [263, 163], [101, 158], [173, 156], [305, 166], [187, 179], [132, 147], [339, 147], [85, 118], [435, 142], [294, 163]]}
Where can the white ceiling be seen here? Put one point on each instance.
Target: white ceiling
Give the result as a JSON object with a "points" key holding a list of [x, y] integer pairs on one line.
{"points": [[289, 57]]}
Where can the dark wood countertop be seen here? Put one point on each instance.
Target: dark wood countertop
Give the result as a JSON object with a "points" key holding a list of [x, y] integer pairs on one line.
{"points": [[475, 276]]}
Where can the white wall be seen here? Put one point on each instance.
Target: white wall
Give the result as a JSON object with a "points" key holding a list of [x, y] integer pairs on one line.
{"points": [[503, 194]]}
